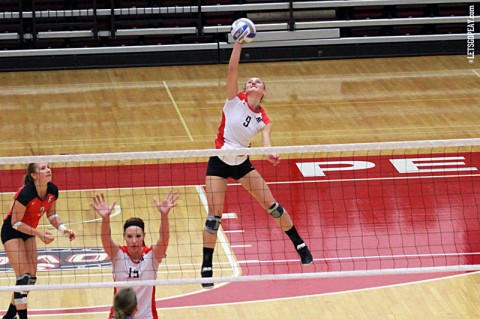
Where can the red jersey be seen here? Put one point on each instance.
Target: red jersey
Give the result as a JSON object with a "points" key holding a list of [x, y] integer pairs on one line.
{"points": [[35, 207]]}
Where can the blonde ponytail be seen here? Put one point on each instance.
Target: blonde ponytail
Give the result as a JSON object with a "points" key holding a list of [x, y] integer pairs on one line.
{"points": [[119, 314], [124, 303]]}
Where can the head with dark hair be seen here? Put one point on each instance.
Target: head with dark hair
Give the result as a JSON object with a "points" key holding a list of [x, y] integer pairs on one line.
{"points": [[134, 221], [37, 173], [124, 303], [134, 232]]}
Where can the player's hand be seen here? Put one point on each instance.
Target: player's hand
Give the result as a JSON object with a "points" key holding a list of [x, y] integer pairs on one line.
{"points": [[69, 233], [47, 237], [167, 203], [101, 207], [274, 159]]}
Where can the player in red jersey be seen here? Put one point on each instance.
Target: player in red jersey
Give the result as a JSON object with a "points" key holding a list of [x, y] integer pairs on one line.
{"points": [[242, 119], [37, 197], [136, 261]]}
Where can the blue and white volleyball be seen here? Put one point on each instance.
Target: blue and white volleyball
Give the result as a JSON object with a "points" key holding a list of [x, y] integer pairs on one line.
{"points": [[243, 30]]}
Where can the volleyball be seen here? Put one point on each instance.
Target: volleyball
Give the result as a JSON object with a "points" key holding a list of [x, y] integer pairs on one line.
{"points": [[243, 30]]}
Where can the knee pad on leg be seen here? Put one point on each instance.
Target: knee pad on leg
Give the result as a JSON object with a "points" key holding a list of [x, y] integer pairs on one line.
{"points": [[212, 224], [20, 297], [276, 210], [32, 280]]}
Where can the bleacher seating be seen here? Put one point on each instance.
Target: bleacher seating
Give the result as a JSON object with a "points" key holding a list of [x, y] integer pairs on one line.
{"points": [[297, 29]]}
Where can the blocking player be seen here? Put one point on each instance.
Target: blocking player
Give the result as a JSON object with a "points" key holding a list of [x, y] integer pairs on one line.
{"points": [[136, 261]]}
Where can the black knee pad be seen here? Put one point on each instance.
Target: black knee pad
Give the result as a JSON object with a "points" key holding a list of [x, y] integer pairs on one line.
{"points": [[23, 280], [212, 224], [276, 210], [32, 280], [20, 297]]}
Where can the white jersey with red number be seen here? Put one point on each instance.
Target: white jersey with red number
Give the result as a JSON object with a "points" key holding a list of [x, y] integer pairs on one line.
{"points": [[124, 269], [240, 123]]}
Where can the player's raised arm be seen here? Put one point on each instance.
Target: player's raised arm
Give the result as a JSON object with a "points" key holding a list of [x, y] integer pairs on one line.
{"points": [[232, 76], [164, 208], [104, 211]]}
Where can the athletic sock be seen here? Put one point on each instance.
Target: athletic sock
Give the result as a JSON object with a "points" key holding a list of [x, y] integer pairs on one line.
{"points": [[11, 312], [207, 257], [22, 314], [294, 236]]}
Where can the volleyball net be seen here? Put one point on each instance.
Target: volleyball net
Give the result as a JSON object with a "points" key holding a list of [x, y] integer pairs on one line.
{"points": [[363, 209]]}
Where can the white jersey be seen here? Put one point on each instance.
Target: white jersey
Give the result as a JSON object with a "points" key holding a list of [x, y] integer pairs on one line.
{"points": [[240, 123], [124, 269]]}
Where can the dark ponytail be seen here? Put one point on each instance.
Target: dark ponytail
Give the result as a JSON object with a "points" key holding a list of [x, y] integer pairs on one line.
{"points": [[28, 174]]}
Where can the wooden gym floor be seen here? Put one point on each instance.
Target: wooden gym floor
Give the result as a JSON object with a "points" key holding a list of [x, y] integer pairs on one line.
{"points": [[311, 102]]}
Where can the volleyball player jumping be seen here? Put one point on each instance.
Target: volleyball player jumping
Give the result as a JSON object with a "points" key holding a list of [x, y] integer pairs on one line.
{"points": [[242, 119]]}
